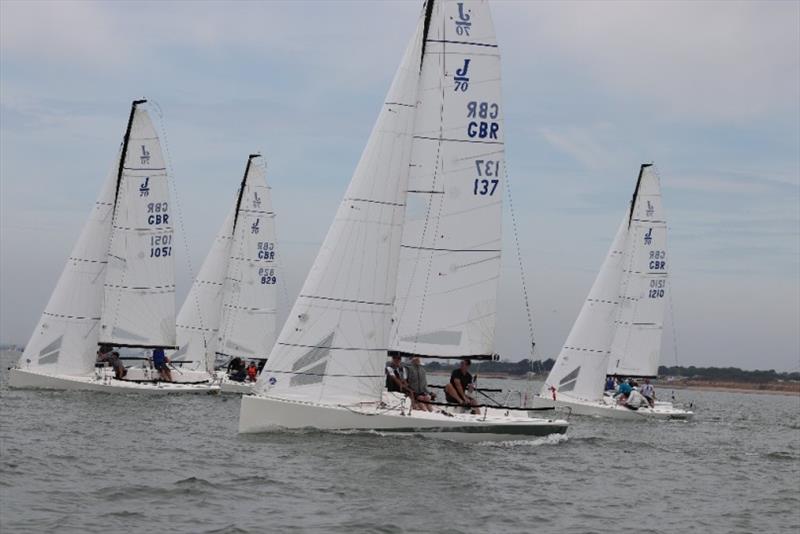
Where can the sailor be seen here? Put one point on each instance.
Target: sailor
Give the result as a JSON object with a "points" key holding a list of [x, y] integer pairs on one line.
{"points": [[236, 370], [252, 372], [635, 399], [160, 362], [460, 383], [610, 386], [418, 383], [623, 390], [107, 354], [649, 392], [397, 375]]}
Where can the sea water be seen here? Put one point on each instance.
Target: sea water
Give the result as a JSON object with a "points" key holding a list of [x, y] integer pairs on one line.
{"points": [[96, 462]]}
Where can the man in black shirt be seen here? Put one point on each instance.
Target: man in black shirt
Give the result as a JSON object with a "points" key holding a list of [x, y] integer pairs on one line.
{"points": [[460, 382]]}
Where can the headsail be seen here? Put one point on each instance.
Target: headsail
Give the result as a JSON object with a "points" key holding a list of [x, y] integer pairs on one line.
{"points": [[65, 339], [581, 365], [248, 324], [636, 348], [332, 347], [450, 257], [139, 302], [199, 318]]}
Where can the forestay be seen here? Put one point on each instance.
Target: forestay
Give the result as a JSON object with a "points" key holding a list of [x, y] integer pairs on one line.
{"points": [[65, 339], [581, 365], [333, 345], [139, 295], [636, 348], [199, 318], [248, 324], [450, 257]]}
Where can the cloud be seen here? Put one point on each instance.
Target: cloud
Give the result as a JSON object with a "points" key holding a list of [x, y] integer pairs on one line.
{"points": [[705, 60]]}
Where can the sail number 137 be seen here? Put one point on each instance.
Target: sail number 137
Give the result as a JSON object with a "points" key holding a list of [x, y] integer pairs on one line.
{"points": [[488, 170]]}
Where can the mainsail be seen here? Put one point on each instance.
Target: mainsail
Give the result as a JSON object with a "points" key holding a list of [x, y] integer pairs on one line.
{"points": [[139, 296], [451, 245], [333, 345], [65, 339], [248, 324], [636, 348]]}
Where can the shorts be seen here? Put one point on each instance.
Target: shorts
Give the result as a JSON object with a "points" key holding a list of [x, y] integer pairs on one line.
{"points": [[162, 367]]}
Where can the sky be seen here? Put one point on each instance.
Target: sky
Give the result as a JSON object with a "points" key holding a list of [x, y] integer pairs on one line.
{"points": [[709, 91]]}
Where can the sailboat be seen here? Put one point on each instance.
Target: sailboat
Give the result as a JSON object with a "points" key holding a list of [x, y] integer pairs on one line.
{"points": [[230, 311], [618, 330], [418, 227], [118, 285]]}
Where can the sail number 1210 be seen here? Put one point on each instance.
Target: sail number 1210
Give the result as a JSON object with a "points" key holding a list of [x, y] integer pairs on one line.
{"points": [[488, 169]]}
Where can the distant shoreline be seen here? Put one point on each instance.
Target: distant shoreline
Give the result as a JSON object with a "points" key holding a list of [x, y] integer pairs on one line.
{"points": [[781, 388]]}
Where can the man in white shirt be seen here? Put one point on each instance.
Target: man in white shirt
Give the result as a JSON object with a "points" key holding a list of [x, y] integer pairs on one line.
{"points": [[649, 392]]}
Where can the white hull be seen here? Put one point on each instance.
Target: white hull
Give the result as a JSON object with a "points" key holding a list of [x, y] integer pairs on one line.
{"points": [[179, 376], [265, 414], [603, 408], [102, 381], [238, 388]]}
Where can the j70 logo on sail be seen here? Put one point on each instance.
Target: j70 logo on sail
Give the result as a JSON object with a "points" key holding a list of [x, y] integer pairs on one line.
{"points": [[144, 189], [144, 158], [650, 209], [256, 200], [463, 23], [648, 237], [254, 229], [461, 78]]}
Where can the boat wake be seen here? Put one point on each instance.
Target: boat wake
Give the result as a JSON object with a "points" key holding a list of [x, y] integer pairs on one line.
{"points": [[552, 439]]}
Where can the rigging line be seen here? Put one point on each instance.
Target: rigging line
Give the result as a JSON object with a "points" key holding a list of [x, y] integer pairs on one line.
{"points": [[171, 172], [515, 229]]}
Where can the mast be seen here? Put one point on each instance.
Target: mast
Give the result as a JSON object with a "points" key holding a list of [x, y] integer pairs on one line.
{"points": [[636, 191], [124, 152], [241, 189]]}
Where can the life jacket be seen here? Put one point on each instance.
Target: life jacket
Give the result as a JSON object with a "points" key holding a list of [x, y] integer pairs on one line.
{"points": [[252, 372]]}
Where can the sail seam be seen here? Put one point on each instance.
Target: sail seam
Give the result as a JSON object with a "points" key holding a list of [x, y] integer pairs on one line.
{"points": [[330, 348], [476, 141], [372, 201], [335, 299], [452, 249], [447, 41], [62, 316]]}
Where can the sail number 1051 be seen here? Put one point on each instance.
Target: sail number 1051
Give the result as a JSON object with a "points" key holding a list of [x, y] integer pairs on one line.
{"points": [[160, 246], [488, 169]]}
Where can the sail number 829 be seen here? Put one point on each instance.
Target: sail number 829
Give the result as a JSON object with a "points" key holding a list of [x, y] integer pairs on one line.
{"points": [[487, 170]]}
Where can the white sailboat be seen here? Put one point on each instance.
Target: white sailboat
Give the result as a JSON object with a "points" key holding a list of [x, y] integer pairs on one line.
{"points": [[619, 329], [230, 311], [118, 286], [396, 277]]}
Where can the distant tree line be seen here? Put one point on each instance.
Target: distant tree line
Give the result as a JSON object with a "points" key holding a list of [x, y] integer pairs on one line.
{"points": [[539, 367], [726, 373], [520, 368]]}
